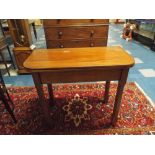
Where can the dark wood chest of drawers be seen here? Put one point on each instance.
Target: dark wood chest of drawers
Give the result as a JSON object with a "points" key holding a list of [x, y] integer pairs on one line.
{"points": [[61, 33]]}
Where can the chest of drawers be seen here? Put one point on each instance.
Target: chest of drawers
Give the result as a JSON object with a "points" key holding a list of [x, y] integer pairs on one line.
{"points": [[61, 33]]}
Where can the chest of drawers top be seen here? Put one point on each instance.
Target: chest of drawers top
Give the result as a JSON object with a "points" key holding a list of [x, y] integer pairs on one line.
{"points": [[74, 22]]}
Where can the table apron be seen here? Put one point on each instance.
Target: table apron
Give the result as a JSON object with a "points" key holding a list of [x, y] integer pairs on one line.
{"points": [[79, 76]]}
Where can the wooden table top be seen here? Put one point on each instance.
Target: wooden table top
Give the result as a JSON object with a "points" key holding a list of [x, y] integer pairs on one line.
{"points": [[78, 58]]}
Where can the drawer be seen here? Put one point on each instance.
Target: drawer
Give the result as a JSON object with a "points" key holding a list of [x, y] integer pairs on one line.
{"points": [[99, 31], [98, 42], [76, 43], [54, 22], [52, 33], [67, 43]]}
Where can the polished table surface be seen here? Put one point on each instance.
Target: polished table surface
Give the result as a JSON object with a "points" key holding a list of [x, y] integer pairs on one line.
{"points": [[78, 57], [79, 65]]}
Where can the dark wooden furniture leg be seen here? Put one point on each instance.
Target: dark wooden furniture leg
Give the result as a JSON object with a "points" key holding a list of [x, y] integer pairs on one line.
{"points": [[4, 100], [39, 88], [5, 89], [11, 57], [34, 30], [10, 99], [106, 94], [3, 59], [50, 92], [117, 104], [40, 91], [8, 96]]}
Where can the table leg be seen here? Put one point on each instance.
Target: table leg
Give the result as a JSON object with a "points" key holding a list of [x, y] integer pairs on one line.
{"points": [[50, 92], [34, 30], [11, 57], [9, 98], [4, 100], [106, 94], [5, 90], [3, 59], [119, 93], [40, 91]]}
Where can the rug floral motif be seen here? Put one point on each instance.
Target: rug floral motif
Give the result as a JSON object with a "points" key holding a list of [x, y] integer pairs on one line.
{"points": [[79, 109]]}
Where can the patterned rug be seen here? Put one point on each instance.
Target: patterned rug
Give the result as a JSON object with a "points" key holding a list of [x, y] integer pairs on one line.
{"points": [[79, 109]]}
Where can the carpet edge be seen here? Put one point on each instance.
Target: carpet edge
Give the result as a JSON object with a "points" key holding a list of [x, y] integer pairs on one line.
{"points": [[145, 94]]}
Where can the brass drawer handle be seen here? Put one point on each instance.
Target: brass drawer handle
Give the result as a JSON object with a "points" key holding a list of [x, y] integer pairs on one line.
{"points": [[91, 33], [61, 46], [91, 44]]}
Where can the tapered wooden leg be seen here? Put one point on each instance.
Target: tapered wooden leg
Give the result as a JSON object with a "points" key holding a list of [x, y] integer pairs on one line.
{"points": [[5, 90], [106, 94], [11, 57], [39, 87], [10, 99], [34, 30], [50, 92], [41, 96], [3, 59], [4, 100], [118, 98]]}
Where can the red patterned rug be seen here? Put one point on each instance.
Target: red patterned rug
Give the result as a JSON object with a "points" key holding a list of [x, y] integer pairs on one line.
{"points": [[79, 109]]}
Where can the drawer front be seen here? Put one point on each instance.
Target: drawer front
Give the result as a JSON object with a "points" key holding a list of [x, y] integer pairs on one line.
{"points": [[67, 43], [67, 33], [99, 32], [80, 75], [54, 22], [76, 32], [76, 43], [98, 42]]}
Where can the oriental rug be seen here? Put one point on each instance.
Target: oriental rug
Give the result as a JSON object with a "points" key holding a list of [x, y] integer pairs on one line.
{"points": [[79, 110]]}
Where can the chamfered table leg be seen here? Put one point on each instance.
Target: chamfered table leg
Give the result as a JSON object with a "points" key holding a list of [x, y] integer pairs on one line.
{"points": [[40, 91], [11, 57], [34, 30], [5, 63], [5, 102], [106, 94], [118, 97], [50, 92]]}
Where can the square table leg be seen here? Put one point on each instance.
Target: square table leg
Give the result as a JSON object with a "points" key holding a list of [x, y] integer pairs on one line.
{"points": [[5, 102], [5, 63], [106, 94], [50, 92], [11, 57], [43, 103], [117, 103]]}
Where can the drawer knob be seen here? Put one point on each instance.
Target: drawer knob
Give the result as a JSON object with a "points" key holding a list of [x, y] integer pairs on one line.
{"points": [[92, 20], [91, 33], [61, 46], [91, 45], [60, 34]]}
